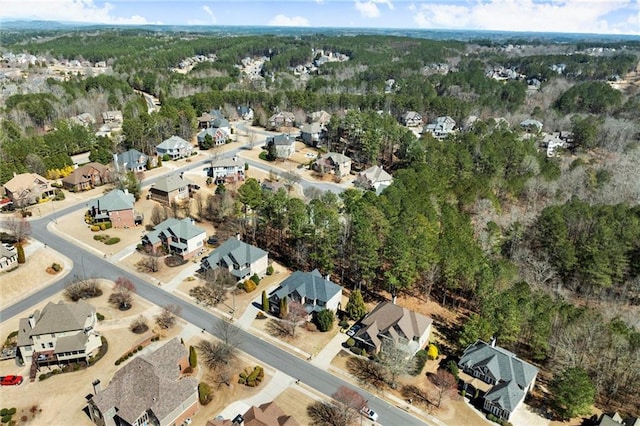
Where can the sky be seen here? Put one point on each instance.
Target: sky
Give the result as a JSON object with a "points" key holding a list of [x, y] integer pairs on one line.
{"points": [[564, 16]]}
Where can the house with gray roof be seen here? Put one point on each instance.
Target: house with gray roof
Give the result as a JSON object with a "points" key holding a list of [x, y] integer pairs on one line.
{"points": [[218, 137], [175, 147], [440, 128], [311, 289], [245, 112], [615, 419], [172, 188], [334, 162], [497, 375], [531, 126], [60, 333], [242, 260], [130, 161], [116, 207], [312, 133], [226, 170], [176, 236], [281, 119], [412, 119], [284, 145], [149, 390], [374, 178], [407, 329]]}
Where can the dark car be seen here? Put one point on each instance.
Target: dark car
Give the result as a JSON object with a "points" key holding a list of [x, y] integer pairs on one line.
{"points": [[10, 380]]}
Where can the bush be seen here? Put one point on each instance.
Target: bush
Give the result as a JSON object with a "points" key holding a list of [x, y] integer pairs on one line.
{"points": [[99, 316], [252, 379], [432, 352], [249, 286], [204, 393], [193, 357], [95, 228], [350, 342], [4, 412], [59, 195], [112, 240], [255, 278], [6, 419], [103, 226], [118, 361], [420, 359], [270, 270], [107, 225], [56, 267], [364, 352], [166, 157], [324, 320], [344, 324], [355, 350], [98, 237], [12, 411], [452, 368], [263, 155]]}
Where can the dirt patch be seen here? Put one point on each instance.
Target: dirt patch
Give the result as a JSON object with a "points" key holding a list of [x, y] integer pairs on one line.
{"points": [[294, 403]]}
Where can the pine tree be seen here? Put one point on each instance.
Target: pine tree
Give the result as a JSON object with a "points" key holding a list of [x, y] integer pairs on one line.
{"points": [[356, 308], [265, 301], [284, 307], [21, 256]]}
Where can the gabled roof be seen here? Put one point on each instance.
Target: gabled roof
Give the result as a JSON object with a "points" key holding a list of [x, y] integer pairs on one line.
{"points": [[225, 162], [220, 122], [176, 228], [234, 252], [529, 122], [5, 252], [393, 321], [310, 285], [113, 201], [506, 395], [281, 140], [322, 117], [334, 157], [268, 414], [25, 181], [376, 174], [311, 128], [131, 156], [171, 182], [174, 142], [411, 115], [83, 173], [60, 317], [503, 366], [149, 382], [205, 117]]}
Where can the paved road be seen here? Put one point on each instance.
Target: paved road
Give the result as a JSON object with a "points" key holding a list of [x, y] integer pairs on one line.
{"points": [[88, 264]]}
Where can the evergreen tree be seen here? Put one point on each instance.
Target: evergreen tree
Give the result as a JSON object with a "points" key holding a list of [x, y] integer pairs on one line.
{"points": [[284, 307], [356, 308], [21, 257], [265, 301]]}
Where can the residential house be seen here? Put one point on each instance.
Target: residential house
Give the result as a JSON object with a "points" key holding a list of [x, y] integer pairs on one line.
{"points": [[175, 147], [176, 236], [284, 145], [407, 329], [242, 260], [8, 257], [218, 137], [245, 112], [112, 117], [552, 143], [281, 119], [226, 170], [172, 188], [130, 161], [412, 119], [115, 207], [322, 117], [313, 133], [531, 126], [28, 188], [148, 390], [311, 289], [60, 333], [268, 414], [497, 375], [85, 119], [204, 121], [614, 419], [440, 128], [374, 178], [340, 164], [87, 177], [222, 124]]}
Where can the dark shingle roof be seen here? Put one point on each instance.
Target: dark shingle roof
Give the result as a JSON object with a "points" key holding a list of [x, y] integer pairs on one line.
{"points": [[114, 201], [234, 252], [172, 227], [310, 285]]}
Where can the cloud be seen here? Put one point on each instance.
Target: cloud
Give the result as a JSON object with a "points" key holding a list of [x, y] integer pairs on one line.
{"points": [[289, 21], [209, 12], [369, 8], [68, 10], [569, 16]]}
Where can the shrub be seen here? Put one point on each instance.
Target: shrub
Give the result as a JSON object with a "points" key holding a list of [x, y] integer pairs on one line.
{"points": [[270, 270], [139, 348], [452, 368], [95, 228], [263, 155], [204, 393], [166, 157], [265, 301], [420, 359], [249, 286], [107, 225], [363, 352], [118, 361], [97, 237], [112, 240], [463, 393], [355, 350], [43, 377], [324, 320], [255, 278], [56, 267], [344, 324], [99, 316], [59, 195], [4, 412], [350, 342], [193, 357], [6, 419], [432, 352]]}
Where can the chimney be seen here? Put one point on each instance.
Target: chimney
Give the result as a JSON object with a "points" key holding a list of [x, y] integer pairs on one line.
{"points": [[96, 386], [238, 236], [32, 321], [115, 163], [492, 342]]}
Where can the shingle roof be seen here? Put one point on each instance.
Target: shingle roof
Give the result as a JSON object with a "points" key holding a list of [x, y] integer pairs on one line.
{"points": [[311, 128], [61, 316], [131, 157], [5, 252], [394, 321], [268, 414], [114, 201], [148, 382], [234, 252], [503, 366], [71, 343], [281, 139], [506, 395], [177, 228], [376, 174], [225, 162], [174, 142], [220, 122], [171, 182], [24, 181], [310, 285], [83, 173], [335, 157]]}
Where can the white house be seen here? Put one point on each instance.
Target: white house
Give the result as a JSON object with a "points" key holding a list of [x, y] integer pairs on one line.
{"points": [[311, 289], [175, 147], [178, 236], [242, 260], [284, 145], [374, 178], [441, 127], [226, 170]]}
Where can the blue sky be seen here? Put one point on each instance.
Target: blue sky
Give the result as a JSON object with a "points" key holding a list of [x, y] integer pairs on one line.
{"points": [[576, 16]]}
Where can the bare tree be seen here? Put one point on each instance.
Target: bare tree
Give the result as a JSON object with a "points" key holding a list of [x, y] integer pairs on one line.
{"points": [[82, 289], [368, 372], [150, 261], [200, 206], [291, 179], [167, 318], [139, 325], [216, 284], [19, 227], [122, 295], [395, 359], [297, 315], [158, 215], [445, 384], [416, 395], [349, 398], [216, 354]]}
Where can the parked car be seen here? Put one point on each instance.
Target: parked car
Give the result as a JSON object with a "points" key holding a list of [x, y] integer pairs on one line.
{"points": [[369, 413], [353, 330], [10, 380]]}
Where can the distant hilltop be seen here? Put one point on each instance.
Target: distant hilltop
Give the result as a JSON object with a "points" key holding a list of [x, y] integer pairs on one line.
{"points": [[433, 34]]}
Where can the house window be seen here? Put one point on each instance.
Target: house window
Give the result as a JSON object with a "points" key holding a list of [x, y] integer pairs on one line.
{"points": [[43, 346], [51, 344]]}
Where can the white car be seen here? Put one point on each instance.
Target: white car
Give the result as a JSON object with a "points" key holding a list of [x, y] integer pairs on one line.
{"points": [[369, 413]]}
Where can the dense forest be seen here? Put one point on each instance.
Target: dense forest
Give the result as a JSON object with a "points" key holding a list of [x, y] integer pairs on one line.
{"points": [[542, 252]]}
